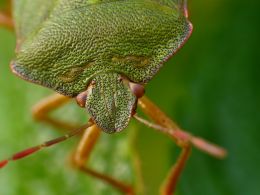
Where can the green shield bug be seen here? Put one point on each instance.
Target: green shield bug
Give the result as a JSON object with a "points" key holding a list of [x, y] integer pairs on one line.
{"points": [[102, 54]]}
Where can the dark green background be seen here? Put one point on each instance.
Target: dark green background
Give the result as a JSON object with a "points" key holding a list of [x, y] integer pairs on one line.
{"points": [[211, 87]]}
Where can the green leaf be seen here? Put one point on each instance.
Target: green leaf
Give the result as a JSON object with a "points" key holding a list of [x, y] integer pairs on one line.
{"points": [[210, 87]]}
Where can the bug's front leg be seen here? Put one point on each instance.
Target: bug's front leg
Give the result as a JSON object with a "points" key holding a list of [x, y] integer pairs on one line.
{"points": [[6, 18], [42, 110], [82, 154], [183, 139]]}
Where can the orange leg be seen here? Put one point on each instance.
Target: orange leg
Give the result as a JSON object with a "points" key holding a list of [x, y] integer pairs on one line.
{"points": [[41, 111], [89, 138], [5, 17], [82, 154], [183, 139]]}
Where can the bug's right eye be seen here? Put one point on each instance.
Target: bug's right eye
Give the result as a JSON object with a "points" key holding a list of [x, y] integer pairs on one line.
{"points": [[137, 89]]}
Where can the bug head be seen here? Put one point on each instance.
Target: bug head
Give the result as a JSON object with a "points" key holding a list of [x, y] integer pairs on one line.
{"points": [[111, 100]]}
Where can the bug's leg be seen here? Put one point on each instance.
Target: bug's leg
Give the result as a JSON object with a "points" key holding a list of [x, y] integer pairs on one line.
{"points": [[82, 154], [42, 110], [169, 185], [183, 139], [6, 18], [6, 21]]}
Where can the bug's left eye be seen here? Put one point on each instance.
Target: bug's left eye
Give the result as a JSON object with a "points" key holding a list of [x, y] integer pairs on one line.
{"points": [[82, 98]]}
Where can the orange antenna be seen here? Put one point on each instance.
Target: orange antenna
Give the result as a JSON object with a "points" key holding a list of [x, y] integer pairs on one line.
{"points": [[180, 135], [29, 151]]}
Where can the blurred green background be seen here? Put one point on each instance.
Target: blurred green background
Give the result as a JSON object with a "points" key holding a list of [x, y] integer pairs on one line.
{"points": [[211, 87]]}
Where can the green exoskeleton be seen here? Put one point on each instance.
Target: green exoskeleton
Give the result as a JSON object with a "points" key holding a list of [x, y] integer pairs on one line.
{"points": [[102, 53], [100, 41]]}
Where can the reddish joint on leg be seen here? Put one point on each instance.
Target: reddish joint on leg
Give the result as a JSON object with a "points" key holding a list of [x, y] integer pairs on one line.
{"points": [[3, 163]]}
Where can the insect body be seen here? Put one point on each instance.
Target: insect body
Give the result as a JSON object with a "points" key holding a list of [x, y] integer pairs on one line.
{"points": [[77, 42], [102, 53]]}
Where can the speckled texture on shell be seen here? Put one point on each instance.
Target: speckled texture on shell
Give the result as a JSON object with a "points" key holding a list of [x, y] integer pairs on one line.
{"points": [[110, 102], [72, 41]]}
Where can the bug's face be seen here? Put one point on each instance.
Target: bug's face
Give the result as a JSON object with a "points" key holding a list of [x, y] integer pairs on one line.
{"points": [[111, 100]]}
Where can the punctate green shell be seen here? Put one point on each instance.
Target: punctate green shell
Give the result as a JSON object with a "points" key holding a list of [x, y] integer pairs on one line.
{"points": [[63, 44], [110, 102]]}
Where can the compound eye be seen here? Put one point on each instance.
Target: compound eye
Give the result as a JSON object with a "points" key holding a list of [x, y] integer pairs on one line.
{"points": [[137, 89], [82, 98]]}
